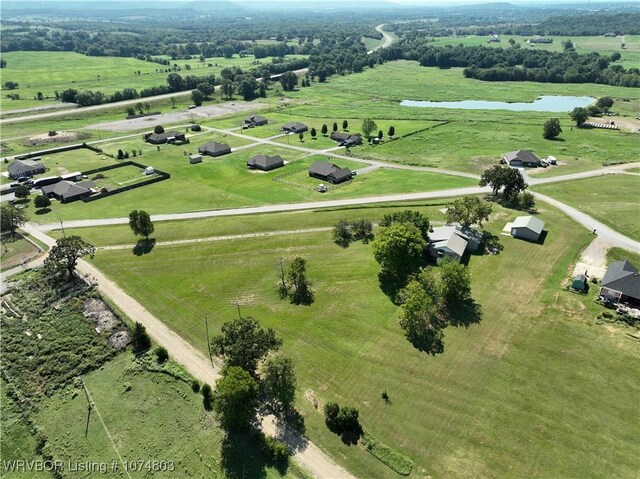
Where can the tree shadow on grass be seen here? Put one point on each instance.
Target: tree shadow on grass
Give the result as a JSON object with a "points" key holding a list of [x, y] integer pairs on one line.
{"points": [[43, 211], [144, 246], [464, 314], [391, 285], [244, 454], [490, 244]]}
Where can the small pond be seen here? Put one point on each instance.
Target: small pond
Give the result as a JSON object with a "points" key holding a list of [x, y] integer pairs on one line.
{"points": [[556, 104]]}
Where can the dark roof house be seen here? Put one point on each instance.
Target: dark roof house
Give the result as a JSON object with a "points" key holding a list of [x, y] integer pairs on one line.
{"points": [[346, 139], [23, 168], [255, 120], [265, 163], [66, 191], [166, 137], [521, 158], [621, 283], [330, 172], [294, 127], [214, 149]]}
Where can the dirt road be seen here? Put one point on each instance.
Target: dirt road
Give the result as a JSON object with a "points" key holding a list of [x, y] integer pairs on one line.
{"points": [[308, 455]]}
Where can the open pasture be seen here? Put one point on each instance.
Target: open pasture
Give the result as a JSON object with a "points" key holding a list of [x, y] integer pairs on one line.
{"points": [[506, 384], [611, 199], [48, 72]]}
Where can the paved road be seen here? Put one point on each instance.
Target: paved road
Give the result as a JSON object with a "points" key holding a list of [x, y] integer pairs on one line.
{"points": [[308, 455]]}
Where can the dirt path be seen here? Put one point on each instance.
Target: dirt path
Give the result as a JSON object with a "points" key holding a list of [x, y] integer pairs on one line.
{"points": [[593, 259], [309, 456]]}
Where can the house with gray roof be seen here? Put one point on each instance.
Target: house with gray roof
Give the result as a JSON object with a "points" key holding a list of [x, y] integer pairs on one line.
{"points": [[294, 127], [527, 227], [521, 158], [447, 242], [67, 191], [213, 148], [346, 139], [621, 284], [330, 172], [24, 168], [264, 162], [166, 137], [255, 120]]}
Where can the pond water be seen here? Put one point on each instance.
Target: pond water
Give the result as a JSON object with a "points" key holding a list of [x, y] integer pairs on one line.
{"points": [[555, 104]]}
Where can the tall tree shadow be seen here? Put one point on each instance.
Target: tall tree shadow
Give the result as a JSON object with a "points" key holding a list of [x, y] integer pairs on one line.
{"points": [[391, 285], [464, 314], [144, 246], [244, 454]]}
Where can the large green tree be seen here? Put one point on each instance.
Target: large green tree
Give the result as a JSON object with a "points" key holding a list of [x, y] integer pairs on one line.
{"points": [[280, 381], [579, 115], [227, 88], [399, 249], [140, 223], [235, 399], [368, 127], [468, 210], [509, 180], [300, 291], [22, 192], [414, 217], [244, 343], [11, 217], [455, 283], [551, 128], [64, 255], [197, 97], [419, 320], [288, 80]]}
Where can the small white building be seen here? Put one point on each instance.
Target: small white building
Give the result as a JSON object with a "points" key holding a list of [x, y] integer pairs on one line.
{"points": [[149, 170], [527, 227]]}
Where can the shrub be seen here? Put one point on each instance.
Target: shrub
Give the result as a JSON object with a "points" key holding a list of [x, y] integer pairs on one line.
{"points": [[196, 128], [140, 338], [207, 396], [331, 411], [275, 449], [195, 386], [158, 129], [162, 355]]}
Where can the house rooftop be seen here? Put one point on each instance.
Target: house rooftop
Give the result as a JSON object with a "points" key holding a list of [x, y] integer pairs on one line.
{"points": [[622, 276], [529, 222]]}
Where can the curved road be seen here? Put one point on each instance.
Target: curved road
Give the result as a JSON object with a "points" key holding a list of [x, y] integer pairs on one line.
{"points": [[386, 39]]}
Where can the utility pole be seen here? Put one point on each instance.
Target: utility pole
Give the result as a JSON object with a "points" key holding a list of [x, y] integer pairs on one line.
{"points": [[238, 306], [86, 393], [206, 325], [61, 227]]}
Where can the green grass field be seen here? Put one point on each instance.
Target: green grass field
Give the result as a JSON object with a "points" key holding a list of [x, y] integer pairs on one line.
{"points": [[505, 400], [612, 199], [48, 72], [15, 251], [150, 416]]}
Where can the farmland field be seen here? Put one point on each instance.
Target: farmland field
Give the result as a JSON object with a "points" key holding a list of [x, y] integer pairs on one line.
{"points": [[612, 199], [48, 72], [501, 385]]}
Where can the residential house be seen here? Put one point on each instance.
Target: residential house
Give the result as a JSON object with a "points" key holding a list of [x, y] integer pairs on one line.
{"points": [[621, 284], [214, 149], [527, 227], [166, 137], [255, 120], [264, 162], [66, 191], [521, 158], [330, 172], [294, 127], [346, 139], [447, 242], [24, 168]]}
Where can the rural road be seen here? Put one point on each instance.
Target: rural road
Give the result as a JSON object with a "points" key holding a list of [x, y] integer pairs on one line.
{"points": [[386, 39], [308, 455]]}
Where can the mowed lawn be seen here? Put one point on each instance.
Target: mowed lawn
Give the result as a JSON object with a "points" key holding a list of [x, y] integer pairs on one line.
{"points": [[225, 182], [150, 416], [611, 199], [525, 393]]}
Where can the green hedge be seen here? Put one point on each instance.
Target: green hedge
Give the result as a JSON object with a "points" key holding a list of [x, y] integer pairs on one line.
{"points": [[396, 461]]}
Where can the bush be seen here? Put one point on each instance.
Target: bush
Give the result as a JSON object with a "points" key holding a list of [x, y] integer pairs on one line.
{"points": [[195, 386], [196, 128], [140, 338], [207, 396], [158, 129], [162, 355], [331, 411], [276, 450]]}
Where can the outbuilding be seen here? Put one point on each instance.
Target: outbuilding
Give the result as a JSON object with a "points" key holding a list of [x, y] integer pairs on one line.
{"points": [[580, 283], [255, 120], [214, 149], [527, 227], [264, 162], [195, 158]]}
